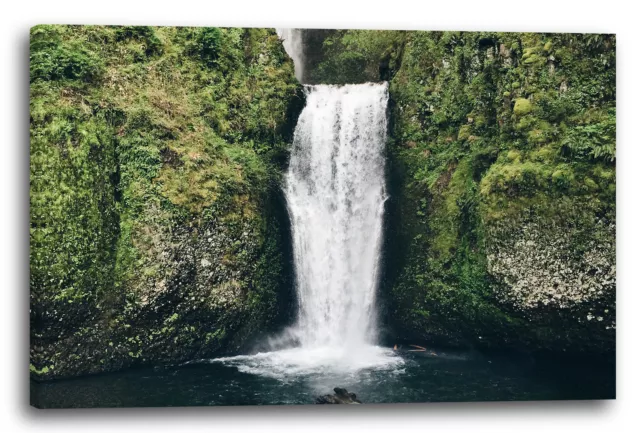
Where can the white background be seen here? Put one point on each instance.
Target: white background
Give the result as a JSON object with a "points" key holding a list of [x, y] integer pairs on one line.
{"points": [[531, 15]]}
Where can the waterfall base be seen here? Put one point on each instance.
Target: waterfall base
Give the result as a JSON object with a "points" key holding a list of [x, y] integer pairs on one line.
{"points": [[302, 361]]}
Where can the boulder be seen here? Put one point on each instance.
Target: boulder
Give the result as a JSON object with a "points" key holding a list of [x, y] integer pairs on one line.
{"points": [[341, 396]]}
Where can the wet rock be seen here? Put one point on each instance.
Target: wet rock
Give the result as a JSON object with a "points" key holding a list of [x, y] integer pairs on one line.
{"points": [[341, 396]]}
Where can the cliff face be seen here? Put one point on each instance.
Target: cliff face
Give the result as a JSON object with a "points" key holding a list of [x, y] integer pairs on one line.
{"points": [[501, 223], [157, 229]]}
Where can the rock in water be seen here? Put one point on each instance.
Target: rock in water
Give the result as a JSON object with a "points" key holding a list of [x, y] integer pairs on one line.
{"points": [[341, 396]]}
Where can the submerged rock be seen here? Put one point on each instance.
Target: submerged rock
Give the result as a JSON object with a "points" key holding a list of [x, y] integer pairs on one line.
{"points": [[341, 396]]}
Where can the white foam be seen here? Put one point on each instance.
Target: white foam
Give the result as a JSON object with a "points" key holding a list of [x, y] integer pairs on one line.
{"points": [[319, 361]]}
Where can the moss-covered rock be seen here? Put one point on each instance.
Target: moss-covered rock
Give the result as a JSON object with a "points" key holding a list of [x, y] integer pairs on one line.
{"points": [[459, 282], [478, 228], [156, 229]]}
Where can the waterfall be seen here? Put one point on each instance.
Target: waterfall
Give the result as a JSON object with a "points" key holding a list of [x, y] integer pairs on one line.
{"points": [[335, 193], [292, 42]]}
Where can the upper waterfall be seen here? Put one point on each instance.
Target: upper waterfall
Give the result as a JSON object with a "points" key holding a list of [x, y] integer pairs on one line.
{"points": [[292, 42]]}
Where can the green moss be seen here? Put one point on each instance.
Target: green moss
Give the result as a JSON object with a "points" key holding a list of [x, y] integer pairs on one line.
{"points": [[218, 335], [513, 155], [590, 184], [43, 371], [534, 59], [464, 132], [546, 153], [522, 107], [541, 132]]}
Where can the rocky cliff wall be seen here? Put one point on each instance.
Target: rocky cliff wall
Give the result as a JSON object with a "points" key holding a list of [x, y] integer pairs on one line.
{"points": [[501, 222], [158, 231]]}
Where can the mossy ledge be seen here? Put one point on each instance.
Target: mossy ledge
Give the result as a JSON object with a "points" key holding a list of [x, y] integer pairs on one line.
{"points": [[156, 156]]}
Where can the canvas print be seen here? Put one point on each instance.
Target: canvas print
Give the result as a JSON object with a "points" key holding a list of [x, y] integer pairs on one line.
{"points": [[257, 216]]}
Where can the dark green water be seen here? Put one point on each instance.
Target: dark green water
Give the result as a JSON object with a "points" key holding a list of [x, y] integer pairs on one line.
{"points": [[446, 377]]}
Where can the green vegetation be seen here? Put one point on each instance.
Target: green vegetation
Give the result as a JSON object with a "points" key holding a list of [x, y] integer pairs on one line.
{"points": [[157, 230], [155, 153], [353, 56], [493, 132]]}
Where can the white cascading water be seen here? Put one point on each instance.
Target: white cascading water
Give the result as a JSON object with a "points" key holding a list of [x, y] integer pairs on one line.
{"points": [[335, 191], [292, 42]]}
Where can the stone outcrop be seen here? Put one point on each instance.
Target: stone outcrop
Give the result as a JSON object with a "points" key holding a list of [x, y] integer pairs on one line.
{"points": [[340, 396]]}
